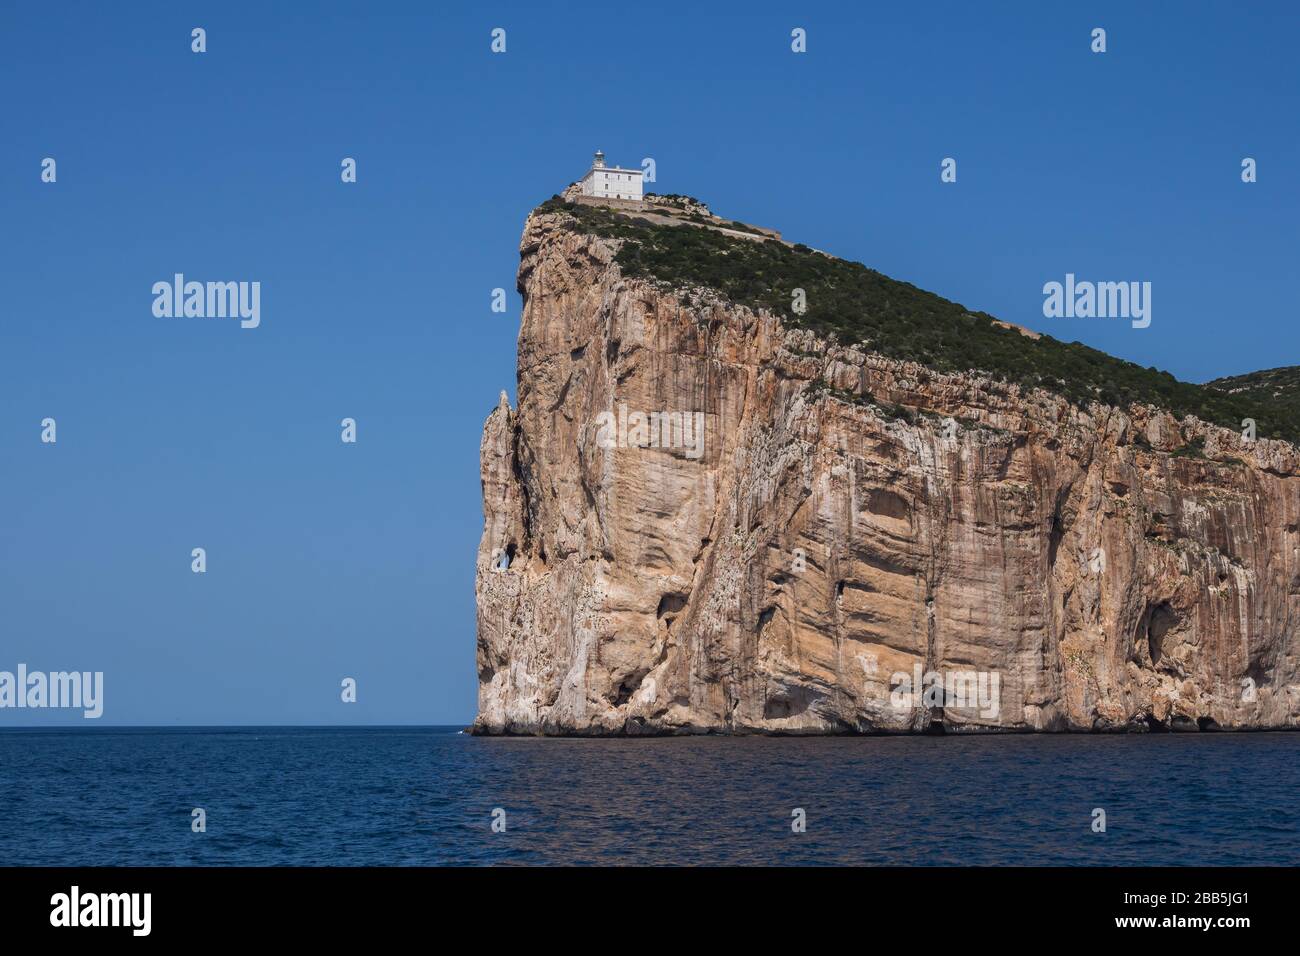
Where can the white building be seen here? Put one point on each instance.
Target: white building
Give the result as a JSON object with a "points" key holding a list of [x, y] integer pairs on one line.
{"points": [[611, 182]]}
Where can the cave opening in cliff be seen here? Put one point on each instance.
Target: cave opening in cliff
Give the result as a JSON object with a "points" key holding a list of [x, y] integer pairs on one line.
{"points": [[1156, 623], [670, 605], [627, 687], [789, 701], [1156, 725], [889, 504]]}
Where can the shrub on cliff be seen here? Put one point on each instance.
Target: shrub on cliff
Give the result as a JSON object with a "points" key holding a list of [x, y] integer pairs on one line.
{"points": [[850, 303]]}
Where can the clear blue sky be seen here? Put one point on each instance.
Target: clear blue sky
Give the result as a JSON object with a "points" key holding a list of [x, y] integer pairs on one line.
{"points": [[328, 560]]}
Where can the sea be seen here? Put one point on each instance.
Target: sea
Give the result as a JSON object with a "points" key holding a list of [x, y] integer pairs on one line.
{"points": [[427, 796]]}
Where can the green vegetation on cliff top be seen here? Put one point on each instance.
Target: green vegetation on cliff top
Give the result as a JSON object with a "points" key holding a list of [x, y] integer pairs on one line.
{"points": [[1278, 388], [852, 304]]}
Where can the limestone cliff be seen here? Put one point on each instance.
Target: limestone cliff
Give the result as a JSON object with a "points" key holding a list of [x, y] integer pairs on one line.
{"points": [[849, 518]]}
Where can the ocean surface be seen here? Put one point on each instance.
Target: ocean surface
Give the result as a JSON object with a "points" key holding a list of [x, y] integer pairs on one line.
{"points": [[425, 796]]}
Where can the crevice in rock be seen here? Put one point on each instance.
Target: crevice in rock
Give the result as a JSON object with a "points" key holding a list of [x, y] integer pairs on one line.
{"points": [[1057, 531], [564, 393], [519, 469]]}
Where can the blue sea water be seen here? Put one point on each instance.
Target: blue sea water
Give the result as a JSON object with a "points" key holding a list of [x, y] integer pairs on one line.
{"points": [[424, 796]]}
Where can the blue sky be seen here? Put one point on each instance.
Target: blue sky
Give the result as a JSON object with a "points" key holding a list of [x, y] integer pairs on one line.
{"points": [[328, 560]]}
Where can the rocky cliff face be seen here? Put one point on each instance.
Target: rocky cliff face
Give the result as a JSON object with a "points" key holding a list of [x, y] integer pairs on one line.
{"points": [[857, 544]]}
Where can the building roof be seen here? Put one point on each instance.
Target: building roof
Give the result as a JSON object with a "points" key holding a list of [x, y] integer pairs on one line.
{"points": [[613, 169]]}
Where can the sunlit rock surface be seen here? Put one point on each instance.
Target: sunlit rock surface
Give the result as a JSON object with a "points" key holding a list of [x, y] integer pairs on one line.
{"points": [[837, 529]]}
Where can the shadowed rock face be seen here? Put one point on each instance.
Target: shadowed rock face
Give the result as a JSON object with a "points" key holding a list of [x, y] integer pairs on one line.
{"points": [[836, 531]]}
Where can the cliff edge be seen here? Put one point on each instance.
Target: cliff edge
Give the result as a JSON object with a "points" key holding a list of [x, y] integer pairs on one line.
{"points": [[703, 517]]}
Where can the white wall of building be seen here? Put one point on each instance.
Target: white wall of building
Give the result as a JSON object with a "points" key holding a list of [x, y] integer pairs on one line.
{"points": [[610, 182]]}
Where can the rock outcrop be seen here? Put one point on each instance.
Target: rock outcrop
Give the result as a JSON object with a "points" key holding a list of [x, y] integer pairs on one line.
{"points": [[849, 521]]}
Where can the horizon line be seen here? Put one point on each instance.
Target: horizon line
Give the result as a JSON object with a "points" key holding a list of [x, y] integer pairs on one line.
{"points": [[99, 726]]}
